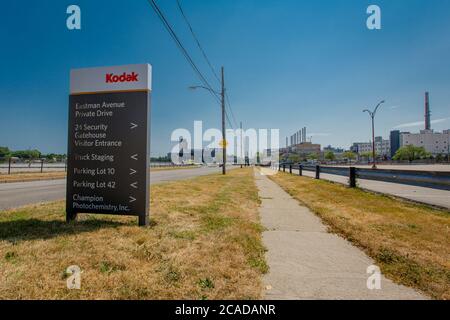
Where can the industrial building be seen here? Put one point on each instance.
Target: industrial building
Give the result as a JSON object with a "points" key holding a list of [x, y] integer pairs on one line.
{"points": [[433, 142], [306, 148], [382, 147], [299, 144], [297, 138], [395, 142]]}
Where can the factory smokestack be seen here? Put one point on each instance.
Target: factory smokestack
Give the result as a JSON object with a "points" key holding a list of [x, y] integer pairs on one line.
{"points": [[427, 112]]}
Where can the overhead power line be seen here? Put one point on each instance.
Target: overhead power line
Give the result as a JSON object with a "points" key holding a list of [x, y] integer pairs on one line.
{"points": [[197, 41], [228, 120], [188, 57], [231, 110], [205, 56], [172, 33]]}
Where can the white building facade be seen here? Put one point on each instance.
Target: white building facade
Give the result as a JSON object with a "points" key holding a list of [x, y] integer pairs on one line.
{"points": [[433, 142], [382, 147]]}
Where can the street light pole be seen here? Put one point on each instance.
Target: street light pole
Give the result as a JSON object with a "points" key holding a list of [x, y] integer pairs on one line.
{"points": [[373, 142], [448, 147], [372, 115], [242, 152], [224, 141]]}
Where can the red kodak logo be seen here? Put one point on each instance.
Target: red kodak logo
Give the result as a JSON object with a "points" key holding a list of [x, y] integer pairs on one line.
{"points": [[125, 77]]}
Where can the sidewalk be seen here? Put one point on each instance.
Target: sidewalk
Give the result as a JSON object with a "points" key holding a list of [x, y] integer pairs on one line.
{"points": [[307, 262]]}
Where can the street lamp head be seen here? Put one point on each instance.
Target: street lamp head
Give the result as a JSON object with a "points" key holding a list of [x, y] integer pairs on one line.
{"points": [[378, 105], [203, 87]]}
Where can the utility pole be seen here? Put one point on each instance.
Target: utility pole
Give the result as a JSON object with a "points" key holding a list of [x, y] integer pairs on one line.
{"points": [[222, 102], [224, 142]]}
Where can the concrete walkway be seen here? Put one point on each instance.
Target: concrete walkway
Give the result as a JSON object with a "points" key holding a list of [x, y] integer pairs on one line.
{"points": [[307, 262]]}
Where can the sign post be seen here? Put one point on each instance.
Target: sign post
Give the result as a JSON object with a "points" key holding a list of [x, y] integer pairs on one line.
{"points": [[109, 142]]}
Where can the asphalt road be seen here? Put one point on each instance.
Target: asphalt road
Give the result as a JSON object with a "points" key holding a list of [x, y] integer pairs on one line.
{"points": [[13, 195]]}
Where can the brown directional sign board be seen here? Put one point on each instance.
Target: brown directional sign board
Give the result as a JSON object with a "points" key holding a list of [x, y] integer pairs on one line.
{"points": [[108, 147]]}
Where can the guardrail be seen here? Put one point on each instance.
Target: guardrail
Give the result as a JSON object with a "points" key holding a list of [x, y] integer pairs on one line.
{"points": [[428, 179]]}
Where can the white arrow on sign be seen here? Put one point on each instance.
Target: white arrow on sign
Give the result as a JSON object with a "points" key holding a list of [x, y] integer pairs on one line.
{"points": [[134, 156], [133, 125], [134, 185], [132, 199], [132, 171]]}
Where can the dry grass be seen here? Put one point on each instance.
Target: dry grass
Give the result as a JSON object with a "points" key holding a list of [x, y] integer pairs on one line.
{"points": [[31, 176], [411, 243], [204, 243]]}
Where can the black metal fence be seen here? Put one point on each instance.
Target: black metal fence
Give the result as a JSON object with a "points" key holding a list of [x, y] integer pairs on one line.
{"points": [[10, 166], [429, 179], [168, 165]]}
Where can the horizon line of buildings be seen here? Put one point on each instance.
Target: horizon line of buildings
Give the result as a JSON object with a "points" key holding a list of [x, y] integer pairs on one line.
{"points": [[433, 142]]}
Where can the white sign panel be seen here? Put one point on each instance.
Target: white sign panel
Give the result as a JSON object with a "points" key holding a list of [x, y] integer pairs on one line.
{"points": [[132, 77]]}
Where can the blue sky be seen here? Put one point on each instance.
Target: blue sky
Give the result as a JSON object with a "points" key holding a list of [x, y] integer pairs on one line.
{"points": [[288, 64]]}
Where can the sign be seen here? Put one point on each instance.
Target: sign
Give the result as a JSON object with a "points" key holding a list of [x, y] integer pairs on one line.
{"points": [[223, 143], [109, 141]]}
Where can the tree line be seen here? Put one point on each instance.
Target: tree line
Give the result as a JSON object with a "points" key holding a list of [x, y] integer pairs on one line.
{"points": [[405, 153], [6, 153]]}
